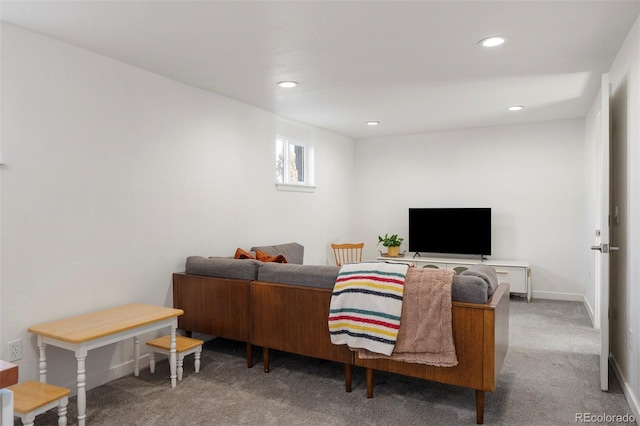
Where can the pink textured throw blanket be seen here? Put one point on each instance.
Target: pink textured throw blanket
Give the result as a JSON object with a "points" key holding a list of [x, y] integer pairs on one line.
{"points": [[426, 333]]}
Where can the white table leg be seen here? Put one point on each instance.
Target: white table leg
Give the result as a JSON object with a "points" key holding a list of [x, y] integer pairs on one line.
{"points": [[28, 419], [180, 367], [136, 356], [62, 411], [172, 356], [81, 356], [43, 359], [197, 361]]}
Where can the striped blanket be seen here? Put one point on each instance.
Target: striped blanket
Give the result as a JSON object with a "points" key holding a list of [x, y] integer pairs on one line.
{"points": [[366, 305]]}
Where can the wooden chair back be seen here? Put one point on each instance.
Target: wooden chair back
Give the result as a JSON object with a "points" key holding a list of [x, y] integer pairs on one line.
{"points": [[347, 253]]}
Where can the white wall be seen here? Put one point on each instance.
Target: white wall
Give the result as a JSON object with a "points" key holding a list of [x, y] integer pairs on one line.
{"points": [[625, 70], [531, 175], [115, 175]]}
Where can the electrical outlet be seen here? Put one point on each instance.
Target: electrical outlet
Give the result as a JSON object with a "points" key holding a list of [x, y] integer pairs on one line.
{"points": [[15, 350]]}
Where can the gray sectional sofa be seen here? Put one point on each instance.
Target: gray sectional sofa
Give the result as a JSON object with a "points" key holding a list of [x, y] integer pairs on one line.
{"points": [[285, 306], [474, 285]]}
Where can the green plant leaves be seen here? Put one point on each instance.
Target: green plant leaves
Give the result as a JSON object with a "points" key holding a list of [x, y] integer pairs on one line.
{"points": [[390, 241]]}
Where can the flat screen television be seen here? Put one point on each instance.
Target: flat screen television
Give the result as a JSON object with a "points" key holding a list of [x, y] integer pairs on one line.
{"points": [[450, 230]]}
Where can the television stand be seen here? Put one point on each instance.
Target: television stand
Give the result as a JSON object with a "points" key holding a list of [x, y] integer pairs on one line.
{"points": [[517, 274]]}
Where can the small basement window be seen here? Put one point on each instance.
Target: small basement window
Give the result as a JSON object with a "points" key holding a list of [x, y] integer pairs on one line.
{"points": [[294, 165]]}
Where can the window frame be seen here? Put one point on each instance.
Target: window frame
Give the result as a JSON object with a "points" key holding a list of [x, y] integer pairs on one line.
{"points": [[307, 184]]}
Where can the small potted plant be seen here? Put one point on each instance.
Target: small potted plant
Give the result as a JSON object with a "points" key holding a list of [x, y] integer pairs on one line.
{"points": [[392, 243]]}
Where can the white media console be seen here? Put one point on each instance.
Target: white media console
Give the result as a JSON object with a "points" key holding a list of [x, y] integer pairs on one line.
{"points": [[517, 274]]}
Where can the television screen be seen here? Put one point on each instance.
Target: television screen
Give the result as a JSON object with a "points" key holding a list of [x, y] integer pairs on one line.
{"points": [[450, 230]]}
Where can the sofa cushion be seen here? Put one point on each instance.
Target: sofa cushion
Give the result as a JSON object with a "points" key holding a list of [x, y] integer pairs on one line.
{"points": [[293, 252], [322, 276], [469, 289], [223, 267], [485, 272]]}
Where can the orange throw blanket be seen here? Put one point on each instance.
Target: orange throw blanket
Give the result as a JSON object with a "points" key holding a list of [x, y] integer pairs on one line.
{"points": [[426, 332]]}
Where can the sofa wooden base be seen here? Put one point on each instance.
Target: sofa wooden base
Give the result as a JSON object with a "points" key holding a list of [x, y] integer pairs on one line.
{"points": [[293, 319], [216, 306]]}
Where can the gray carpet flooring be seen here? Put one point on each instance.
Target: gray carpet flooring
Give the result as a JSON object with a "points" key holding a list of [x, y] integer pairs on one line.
{"points": [[550, 374]]}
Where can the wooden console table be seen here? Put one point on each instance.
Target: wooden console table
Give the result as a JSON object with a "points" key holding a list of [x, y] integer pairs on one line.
{"points": [[89, 331]]}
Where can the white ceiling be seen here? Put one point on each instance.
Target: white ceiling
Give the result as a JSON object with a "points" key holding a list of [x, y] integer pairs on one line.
{"points": [[415, 66]]}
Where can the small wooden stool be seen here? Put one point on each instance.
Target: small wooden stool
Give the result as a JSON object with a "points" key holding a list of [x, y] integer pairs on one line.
{"points": [[184, 346], [33, 398]]}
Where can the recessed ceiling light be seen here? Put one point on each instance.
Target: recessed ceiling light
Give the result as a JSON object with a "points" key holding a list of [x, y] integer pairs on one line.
{"points": [[493, 41], [287, 84], [372, 123], [515, 108]]}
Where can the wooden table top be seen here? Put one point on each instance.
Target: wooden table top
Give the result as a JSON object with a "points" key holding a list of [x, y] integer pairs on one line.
{"points": [[28, 396], [86, 327]]}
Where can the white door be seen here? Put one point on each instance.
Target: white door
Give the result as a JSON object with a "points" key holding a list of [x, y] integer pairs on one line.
{"points": [[602, 233]]}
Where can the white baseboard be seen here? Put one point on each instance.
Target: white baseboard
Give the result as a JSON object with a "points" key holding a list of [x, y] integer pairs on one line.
{"points": [[590, 311], [103, 376], [552, 295], [631, 398]]}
